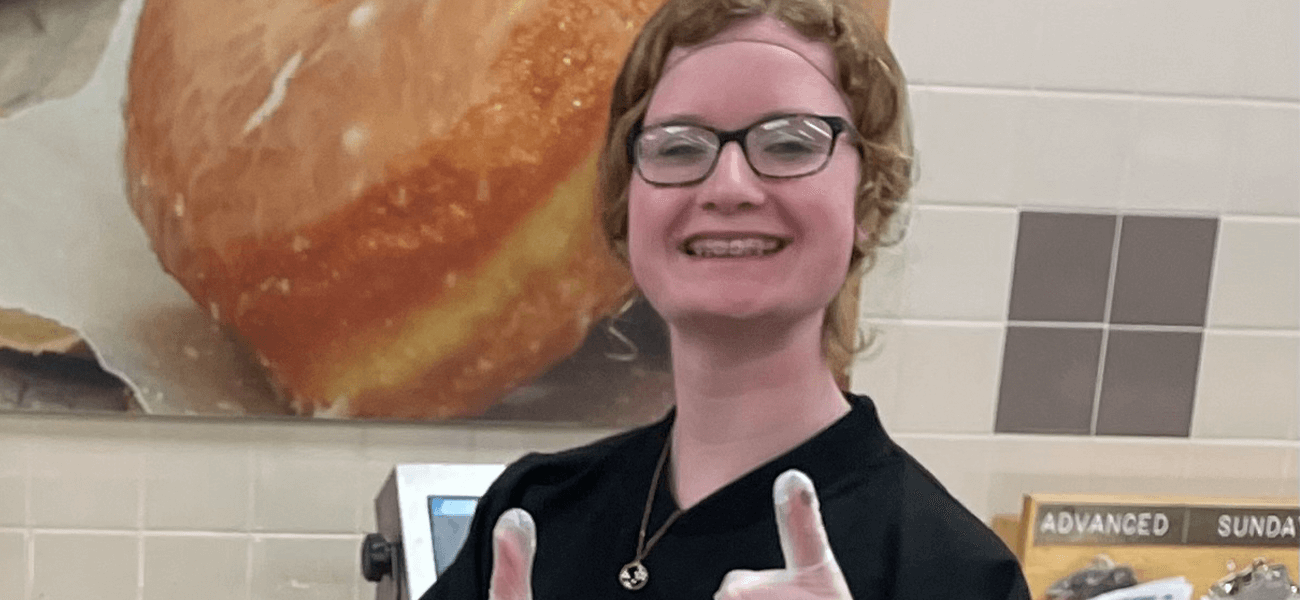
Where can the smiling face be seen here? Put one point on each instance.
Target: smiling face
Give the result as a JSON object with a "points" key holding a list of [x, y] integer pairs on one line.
{"points": [[738, 245]]}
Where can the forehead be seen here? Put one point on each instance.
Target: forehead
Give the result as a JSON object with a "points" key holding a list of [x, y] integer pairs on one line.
{"points": [[756, 68]]}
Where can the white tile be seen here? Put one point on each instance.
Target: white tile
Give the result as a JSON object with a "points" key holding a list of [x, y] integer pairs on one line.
{"points": [[953, 263], [99, 566], [1256, 277], [1292, 473], [302, 493], [1265, 149], [197, 486], [13, 482], [499, 444], [966, 144], [1247, 387], [1266, 39], [961, 465], [91, 482], [1021, 465], [876, 371], [1178, 150], [976, 43], [181, 566], [1073, 152], [1240, 470], [404, 443], [13, 564], [947, 377], [106, 427], [1167, 46], [369, 481], [307, 436], [1139, 466], [305, 568]]}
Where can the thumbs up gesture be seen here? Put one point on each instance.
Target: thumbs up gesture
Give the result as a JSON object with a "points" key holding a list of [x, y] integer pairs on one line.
{"points": [[810, 572], [514, 541]]}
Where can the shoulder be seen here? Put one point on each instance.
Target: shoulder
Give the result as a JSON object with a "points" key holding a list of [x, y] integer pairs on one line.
{"points": [[939, 534], [555, 471]]}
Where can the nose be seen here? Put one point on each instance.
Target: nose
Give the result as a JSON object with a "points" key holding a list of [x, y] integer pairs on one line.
{"points": [[733, 184]]}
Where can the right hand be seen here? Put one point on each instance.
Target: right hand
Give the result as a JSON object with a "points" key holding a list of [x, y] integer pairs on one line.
{"points": [[514, 542]]}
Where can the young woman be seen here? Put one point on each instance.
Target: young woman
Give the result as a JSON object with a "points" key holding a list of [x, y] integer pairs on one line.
{"points": [[756, 151]]}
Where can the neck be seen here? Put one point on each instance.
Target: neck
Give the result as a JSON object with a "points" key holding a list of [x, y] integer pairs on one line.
{"points": [[745, 395]]}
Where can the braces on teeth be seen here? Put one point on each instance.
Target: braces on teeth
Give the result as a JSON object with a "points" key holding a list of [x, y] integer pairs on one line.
{"points": [[747, 247]]}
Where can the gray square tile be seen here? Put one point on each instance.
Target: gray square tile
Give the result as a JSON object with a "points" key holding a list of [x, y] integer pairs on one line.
{"points": [[1149, 383], [1062, 267], [1049, 378], [1162, 276]]}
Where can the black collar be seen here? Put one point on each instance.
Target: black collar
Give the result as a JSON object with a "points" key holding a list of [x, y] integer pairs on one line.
{"points": [[834, 459]]}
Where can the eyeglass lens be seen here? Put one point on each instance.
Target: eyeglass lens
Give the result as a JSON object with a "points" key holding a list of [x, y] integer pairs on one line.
{"points": [[782, 147]]}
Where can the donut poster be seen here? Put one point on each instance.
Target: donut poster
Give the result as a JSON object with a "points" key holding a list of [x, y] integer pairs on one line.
{"points": [[366, 209]]}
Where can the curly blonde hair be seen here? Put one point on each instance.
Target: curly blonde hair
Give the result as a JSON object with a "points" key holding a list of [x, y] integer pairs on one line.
{"points": [[870, 79]]}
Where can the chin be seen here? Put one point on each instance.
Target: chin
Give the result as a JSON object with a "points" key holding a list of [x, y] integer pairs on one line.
{"points": [[732, 314]]}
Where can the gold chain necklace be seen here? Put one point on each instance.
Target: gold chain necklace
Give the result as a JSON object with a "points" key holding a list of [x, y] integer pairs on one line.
{"points": [[634, 575]]}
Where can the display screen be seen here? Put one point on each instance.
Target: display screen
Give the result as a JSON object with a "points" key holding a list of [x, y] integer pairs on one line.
{"points": [[449, 518]]}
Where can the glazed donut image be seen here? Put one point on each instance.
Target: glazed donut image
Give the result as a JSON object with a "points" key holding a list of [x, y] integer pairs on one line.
{"points": [[391, 202]]}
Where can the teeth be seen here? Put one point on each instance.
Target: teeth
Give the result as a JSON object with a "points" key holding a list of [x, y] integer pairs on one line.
{"points": [[713, 248]]}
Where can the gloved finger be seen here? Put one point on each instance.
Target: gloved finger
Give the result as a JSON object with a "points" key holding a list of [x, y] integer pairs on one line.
{"points": [[804, 542], [740, 583], [514, 542]]}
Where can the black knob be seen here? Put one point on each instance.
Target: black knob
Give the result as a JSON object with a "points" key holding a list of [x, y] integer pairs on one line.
{"points": [[376, 557]]}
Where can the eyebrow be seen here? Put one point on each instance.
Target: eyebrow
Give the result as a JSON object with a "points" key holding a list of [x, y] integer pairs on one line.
{"points": [[694, 119]]}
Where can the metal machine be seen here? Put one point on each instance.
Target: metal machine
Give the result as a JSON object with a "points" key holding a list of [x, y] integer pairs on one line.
{"points": [[423, 513]]}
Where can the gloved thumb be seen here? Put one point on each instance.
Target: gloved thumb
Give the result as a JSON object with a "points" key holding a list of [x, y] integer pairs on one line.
{"points": [[804, 542], [514, 542]]}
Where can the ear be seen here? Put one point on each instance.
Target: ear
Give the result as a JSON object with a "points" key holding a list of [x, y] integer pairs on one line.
{"points": [[861, 236]]}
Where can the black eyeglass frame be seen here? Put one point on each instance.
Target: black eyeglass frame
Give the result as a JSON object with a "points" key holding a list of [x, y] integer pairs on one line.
{"points": [[838, 125]]}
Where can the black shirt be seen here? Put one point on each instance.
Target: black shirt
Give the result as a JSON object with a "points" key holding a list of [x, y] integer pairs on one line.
{"points": [[896, 533]]}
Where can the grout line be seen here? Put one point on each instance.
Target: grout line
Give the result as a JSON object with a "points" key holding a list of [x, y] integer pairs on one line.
{"points": [[29, 537], [1105, 325], [881, 320], [250, 463], [1211, 293], [28, 453], [139, 525], [29, 586], [122, 533], [1110, 326], [1103, 95], [948, 203]]}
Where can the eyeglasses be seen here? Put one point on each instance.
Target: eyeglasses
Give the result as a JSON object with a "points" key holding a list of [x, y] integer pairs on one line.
{"points": [[676, 154]]}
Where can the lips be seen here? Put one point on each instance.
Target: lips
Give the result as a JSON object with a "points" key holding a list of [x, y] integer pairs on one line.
{"points": [[732, 245]]}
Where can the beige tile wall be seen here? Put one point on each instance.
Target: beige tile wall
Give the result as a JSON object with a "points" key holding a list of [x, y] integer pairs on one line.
{"points": [[114, 508], [117, 509]]}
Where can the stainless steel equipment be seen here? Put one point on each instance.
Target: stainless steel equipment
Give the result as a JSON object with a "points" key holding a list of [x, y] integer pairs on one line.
{"points": [[423, 513]]}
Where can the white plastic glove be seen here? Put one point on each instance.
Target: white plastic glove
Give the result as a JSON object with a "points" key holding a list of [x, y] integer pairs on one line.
{"points": [[810, 572], [514, 542]]}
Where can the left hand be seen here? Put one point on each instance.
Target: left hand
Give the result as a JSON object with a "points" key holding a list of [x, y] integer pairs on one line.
{"points": [[810, 572]]}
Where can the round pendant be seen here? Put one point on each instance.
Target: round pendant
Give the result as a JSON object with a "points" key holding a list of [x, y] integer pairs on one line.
{"points": [[633, 576]]}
